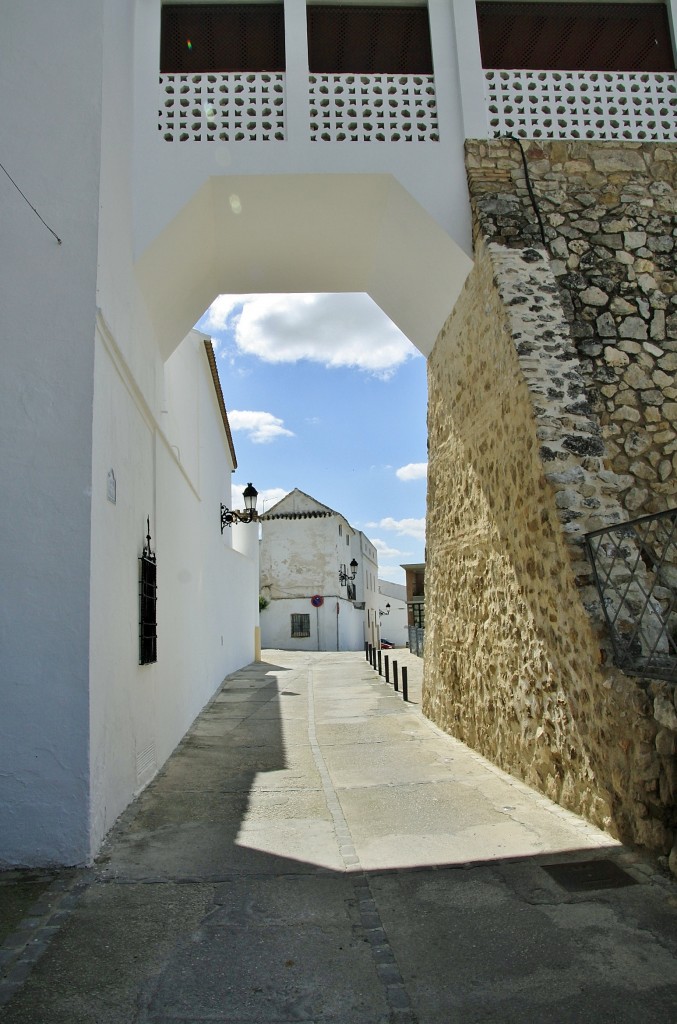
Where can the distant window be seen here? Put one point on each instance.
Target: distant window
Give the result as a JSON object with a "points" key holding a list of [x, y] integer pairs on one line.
{"points": [[222, 37], [300, 624], [347, 538], [575, 36], [340, 530], [351, 39]]}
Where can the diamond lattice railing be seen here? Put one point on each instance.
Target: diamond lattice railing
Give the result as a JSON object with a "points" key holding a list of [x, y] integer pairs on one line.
{"points": [[234, 107], [582, 105], [373, 108], [635, 566]]}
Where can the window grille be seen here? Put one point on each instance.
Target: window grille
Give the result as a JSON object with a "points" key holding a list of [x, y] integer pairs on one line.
{"points": [[147, 604], [222, 37], [418, 615], [575, 36], [635, 568], [300, 624], [369, 40]]}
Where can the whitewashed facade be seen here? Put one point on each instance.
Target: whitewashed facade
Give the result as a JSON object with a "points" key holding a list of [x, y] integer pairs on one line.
{"points": [[305, 548], [128, 203], [393, 612]]}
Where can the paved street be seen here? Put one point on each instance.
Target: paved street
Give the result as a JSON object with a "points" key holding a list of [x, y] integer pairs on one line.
{"points": [[317, 851]]}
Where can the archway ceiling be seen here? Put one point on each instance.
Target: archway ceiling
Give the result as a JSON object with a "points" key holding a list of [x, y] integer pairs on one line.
{"points": [[303, 233]]}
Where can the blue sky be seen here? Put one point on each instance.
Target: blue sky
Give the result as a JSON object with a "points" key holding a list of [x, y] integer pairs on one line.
{"points": [[324, 393]]}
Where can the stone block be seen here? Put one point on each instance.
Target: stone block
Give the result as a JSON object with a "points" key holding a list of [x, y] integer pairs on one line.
{"points": [[633, 327], [665, 713], [634, 239]]}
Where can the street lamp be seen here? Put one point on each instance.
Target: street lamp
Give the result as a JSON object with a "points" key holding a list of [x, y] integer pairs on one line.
{"points": [[386, 612], [344, 578], [250, 515]]}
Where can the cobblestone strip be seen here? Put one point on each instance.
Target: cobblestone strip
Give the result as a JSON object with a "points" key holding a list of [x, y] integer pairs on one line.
{"points": [[387, 969], [22, 949]]}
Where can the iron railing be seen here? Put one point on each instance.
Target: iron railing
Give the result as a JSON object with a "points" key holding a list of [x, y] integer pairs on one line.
{"points": [[635, 567]]}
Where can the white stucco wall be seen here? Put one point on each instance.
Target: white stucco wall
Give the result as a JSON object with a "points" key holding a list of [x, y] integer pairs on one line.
{"points": [[297, 215], [49, 124], [433, 173], [394, 623], [367, 592], [335, 626], [300, 558], [175, 467], [149, 238]]}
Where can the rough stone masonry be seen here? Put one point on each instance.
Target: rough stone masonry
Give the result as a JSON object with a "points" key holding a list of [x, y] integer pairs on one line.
{"points": [[553, 412]]}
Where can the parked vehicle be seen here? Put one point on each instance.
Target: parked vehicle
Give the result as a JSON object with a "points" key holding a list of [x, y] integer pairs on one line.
{"points": [[387, 645]]}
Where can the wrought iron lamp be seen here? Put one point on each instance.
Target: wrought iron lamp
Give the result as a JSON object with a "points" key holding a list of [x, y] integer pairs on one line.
{"points": [[250, 515], [344, 578], [386, 612]]}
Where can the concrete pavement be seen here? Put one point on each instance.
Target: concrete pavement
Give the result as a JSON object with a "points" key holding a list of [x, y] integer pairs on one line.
{"points": [[315, 850]]}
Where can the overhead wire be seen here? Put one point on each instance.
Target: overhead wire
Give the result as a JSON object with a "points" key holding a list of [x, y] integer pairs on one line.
{"points": [[30, 203]]}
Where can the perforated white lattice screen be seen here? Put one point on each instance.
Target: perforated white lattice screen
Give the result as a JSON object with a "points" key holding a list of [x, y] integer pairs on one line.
{"points": [[234, 107], [373, 108], [582, 105]]}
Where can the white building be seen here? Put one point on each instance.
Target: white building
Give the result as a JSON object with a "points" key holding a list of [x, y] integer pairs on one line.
{"points": [[319, 576], [130, 199], [393, 612]]}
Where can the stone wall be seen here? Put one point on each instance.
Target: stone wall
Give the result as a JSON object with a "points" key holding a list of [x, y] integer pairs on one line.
{"points": [[608, 215], [516, 658]]}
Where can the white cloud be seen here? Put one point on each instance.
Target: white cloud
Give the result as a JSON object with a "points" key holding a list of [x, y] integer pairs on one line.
{"points": [[385, 551], [391, 573], [261, 427], [266, 498], [332, 329], [404, 527], [412, 471]]}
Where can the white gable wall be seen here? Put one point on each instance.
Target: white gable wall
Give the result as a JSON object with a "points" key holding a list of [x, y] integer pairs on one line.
{"points": [[300, 558]]}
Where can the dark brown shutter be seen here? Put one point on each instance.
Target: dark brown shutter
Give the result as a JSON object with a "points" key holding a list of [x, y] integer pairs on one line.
{"points": [[222, 37], [369, 40], [575, 36]]}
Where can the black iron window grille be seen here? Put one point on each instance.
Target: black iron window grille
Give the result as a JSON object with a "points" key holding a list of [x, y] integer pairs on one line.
{"points": [[300, 624], [147, 604], [635, 567]]}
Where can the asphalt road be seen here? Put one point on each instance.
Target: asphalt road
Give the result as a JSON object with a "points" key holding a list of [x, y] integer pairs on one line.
{"points": [[315, 850]]}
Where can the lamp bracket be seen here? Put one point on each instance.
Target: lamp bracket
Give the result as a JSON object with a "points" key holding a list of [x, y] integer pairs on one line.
{"points": [[230, 516]]}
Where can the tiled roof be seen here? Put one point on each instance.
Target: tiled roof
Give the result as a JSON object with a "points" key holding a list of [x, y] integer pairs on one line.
{"points": [[219, 395], [298, 515]]}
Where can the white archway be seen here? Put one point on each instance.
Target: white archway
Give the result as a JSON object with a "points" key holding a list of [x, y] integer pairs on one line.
{"points": [[303, 233]]}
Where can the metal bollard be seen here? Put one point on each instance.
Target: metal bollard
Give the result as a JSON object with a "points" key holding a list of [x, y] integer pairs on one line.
{"points": [[405, 684], [380, 670], [387, 669], [373, 658], [396, 687]]}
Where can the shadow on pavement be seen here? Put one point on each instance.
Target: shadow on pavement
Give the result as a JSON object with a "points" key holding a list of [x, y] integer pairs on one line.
{"points": [[261, 877]]}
